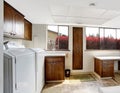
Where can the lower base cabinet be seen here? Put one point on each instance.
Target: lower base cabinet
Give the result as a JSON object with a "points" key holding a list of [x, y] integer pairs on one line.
{"points": [[104, 68], [54, 68]]}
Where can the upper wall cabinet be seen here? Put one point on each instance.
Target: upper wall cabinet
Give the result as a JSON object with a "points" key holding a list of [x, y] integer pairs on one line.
{"points": [[27, 30], [13, 22]]}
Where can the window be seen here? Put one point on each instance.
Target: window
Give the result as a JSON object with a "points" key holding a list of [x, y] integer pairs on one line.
{"points": [[92, 38], [109, 38], [118, 38], [57, 37], [102, 38]]}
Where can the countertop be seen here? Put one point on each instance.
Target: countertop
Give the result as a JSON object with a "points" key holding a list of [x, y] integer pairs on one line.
{"points": [[108, 57], [55, 53]]}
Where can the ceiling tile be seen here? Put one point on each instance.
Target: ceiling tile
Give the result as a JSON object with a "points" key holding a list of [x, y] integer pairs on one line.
{"points": [[79, 20], [59, 10], [60, 19], [110, 14], [86, 12]]}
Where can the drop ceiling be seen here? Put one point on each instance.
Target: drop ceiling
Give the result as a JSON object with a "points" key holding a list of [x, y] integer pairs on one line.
{"points": [[68, 11]]}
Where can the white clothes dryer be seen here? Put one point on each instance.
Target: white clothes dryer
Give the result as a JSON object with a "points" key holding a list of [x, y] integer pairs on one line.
{"points": [[39, 71], [19, 71]]}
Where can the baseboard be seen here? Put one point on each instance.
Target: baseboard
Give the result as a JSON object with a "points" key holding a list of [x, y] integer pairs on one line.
{"points": [[97, 76], [76, 73], [116, 70], [55, 81]]}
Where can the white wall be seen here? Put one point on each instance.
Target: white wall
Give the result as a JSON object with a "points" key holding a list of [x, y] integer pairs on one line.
{"points": [[40, 41], [18, 41], [88, 55], [1, 45], [39, 37]]}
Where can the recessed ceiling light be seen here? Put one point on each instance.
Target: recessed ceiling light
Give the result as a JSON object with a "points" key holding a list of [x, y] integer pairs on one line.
{"points": [[92, 4]]}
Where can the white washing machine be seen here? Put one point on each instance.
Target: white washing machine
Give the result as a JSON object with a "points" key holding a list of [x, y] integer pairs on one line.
{"points": [[39, 65], [19, 71]]}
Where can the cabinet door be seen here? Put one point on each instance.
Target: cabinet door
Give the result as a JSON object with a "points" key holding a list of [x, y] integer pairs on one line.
{"points": [[8, 19], [18, 24], [54, 68], [77, 48], [98, 66], [49, 71], [59, 69], [13, 22], [27, 30], [118, 65], [108, 68]]}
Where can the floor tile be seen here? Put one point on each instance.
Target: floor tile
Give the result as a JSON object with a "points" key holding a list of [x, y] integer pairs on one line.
{"points": [[75, 85]]}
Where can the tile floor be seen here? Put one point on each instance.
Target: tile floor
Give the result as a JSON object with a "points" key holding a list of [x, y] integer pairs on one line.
{"points": [[77, 86]]}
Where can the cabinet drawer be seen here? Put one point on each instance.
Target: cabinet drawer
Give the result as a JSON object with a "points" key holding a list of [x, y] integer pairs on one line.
{"points": [[54, 59]]}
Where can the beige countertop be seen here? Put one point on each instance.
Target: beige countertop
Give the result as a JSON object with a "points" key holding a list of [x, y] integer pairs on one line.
{"points": [[108, 57], [55, 53]]}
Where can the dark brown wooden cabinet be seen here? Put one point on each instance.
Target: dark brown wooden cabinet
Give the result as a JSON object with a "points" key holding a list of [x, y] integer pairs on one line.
{"points": [[8, 19], [118, 65], [19, 24], [13, 22], [77, 48], [54, 68], [27, 30], [104, 68]]}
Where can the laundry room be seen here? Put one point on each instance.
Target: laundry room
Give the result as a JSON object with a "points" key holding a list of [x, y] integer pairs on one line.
{"points": [[65, 46]]}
